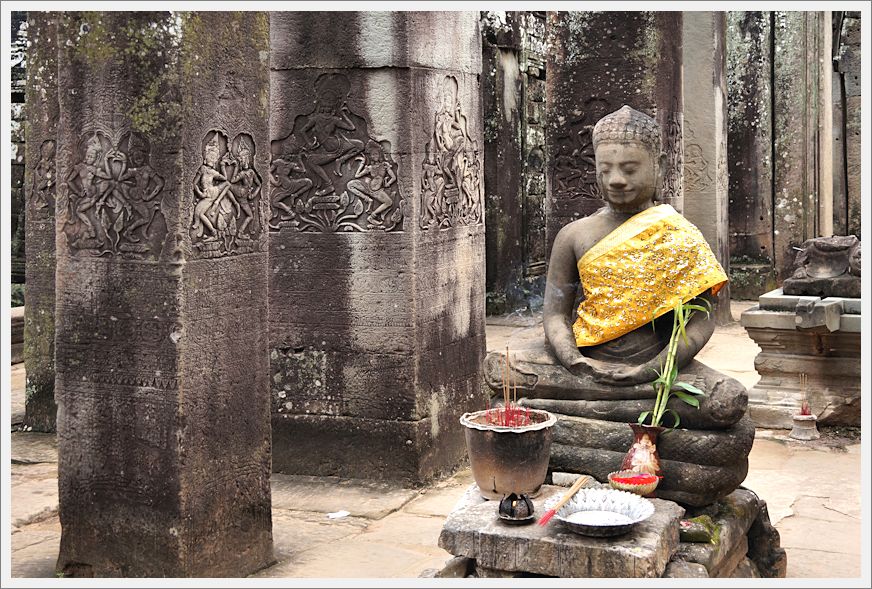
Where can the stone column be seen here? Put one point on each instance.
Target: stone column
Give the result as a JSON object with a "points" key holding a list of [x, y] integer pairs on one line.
{"points": [[705, 136], [749, 153], [40, 186], [502, 103], [599, 61], [797, 163], [161, 316], [377, 241], [849, 66]]}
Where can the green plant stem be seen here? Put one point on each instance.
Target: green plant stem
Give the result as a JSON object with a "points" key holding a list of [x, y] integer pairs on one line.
{"points": [[679, 319]]}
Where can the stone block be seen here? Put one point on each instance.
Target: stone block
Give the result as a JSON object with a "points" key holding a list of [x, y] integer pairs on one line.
{"points": [[746, 569], [162, 335], [680, 569], [405, 39], [376, 247], [475, 532], [40, 192], [764, 545], [735, 515]]}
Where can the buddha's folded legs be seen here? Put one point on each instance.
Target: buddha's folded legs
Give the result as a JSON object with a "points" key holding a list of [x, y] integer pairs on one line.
{"points": [[704, 447], [546, 384], [683, 482]]}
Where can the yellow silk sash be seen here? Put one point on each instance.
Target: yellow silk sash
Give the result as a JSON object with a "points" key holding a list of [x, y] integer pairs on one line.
{"points": [[640, 271]]}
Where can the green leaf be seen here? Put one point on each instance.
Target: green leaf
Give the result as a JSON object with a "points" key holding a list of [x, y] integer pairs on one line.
{"points": [[689, 399], [692, 307], [675, 415], [643, 416], [689, 388]]}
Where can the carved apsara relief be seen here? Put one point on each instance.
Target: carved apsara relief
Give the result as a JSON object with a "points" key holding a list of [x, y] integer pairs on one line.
{"points": [[697, 168], [113, 206], [42, 192], [451, 182], [574, 167], [227, 192], [673, 145], [329, 175]]}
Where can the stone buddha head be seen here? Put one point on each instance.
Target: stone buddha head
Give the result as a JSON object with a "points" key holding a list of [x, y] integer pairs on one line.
{"points": [[629, 161]]}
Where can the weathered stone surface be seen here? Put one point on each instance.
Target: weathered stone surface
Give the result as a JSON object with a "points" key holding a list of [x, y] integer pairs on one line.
{"points": [[638, 63], [746, 569], [457, 567], [680, 569], [764, 545], [705, 171], [377, 302], [735, 515], [40, 189], [162, 349], [475, 532]]}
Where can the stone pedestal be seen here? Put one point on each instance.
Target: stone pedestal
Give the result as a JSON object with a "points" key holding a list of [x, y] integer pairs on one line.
{"points": [[598, 62], [818, 337], [162, 357], [40, 190], [745, 544], [376, 243], [474, 531]]}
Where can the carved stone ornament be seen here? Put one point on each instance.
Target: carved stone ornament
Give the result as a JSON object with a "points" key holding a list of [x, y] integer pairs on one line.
{"points": [[574, 170], [114, 204], [697, 168], [329, 175], [451, 170], [227, 192], [42, 193]]}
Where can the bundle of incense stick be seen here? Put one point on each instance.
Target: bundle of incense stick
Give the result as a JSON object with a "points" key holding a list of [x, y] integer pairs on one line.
{"points": [[511, 415]]}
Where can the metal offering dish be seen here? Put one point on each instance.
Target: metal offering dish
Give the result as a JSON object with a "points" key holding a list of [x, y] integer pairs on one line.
{"points": [[604, 512]]}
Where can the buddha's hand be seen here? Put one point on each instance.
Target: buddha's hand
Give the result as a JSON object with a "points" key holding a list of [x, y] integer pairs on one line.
{"points": [[630, 375], [597, 369]]}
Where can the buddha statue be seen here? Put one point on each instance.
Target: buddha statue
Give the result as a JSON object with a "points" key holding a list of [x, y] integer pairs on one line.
{"points": [[613, 279]]}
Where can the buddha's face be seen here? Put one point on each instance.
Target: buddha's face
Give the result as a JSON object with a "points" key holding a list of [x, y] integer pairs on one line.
{"points": [[628, 175]]}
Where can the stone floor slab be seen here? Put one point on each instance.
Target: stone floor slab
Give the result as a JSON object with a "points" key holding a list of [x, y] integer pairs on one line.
{"points": [[34, 492], [34, 448], [818, 535], [34, 550], [441, 499], [360, 498], [16, 386], [818, 563]]}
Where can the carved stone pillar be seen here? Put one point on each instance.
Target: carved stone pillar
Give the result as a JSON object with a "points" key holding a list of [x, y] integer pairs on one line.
{"points": [[377, 241], [705, 137], [40, 186], [162, 358], [749, 157], [598, 62]]}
